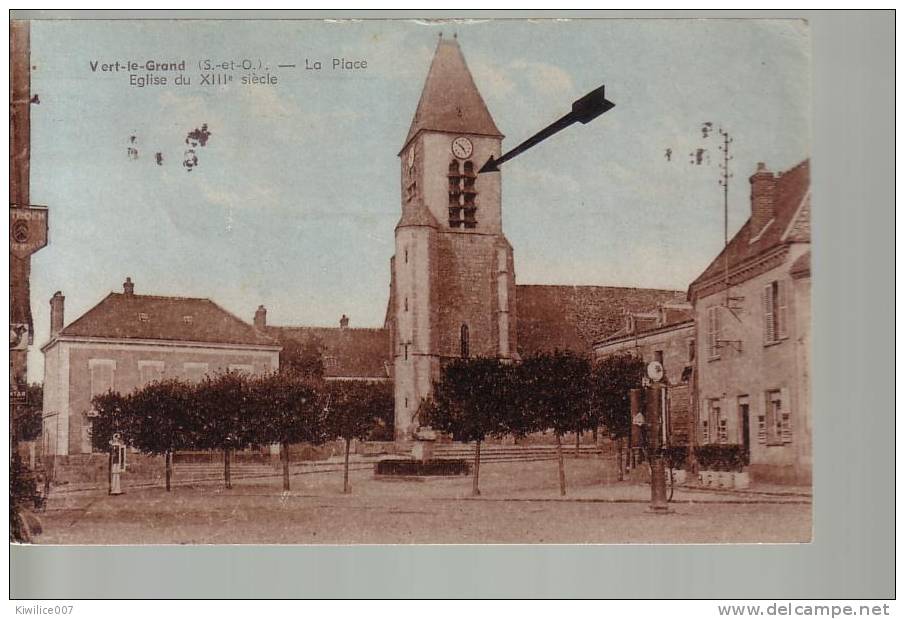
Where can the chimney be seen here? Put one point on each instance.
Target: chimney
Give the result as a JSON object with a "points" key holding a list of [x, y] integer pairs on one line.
{"points": [[344, 322], [56, 313], [260, 318], [128, 287], [763, 193]]}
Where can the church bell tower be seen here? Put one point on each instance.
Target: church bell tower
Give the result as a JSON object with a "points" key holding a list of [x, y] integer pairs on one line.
{"points": [[453, 281]]}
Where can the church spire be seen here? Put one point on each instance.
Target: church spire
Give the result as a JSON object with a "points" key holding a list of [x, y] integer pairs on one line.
{"points": [[450, 101]]}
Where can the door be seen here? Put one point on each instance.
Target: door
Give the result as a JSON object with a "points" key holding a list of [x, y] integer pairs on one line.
{"points": [[743, 419]]}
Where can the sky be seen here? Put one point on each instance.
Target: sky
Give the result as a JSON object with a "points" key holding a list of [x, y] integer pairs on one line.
{"points": [[295, 195]]}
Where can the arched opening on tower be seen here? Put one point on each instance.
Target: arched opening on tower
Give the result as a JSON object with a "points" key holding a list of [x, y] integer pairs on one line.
{"points": [[463, 341]]}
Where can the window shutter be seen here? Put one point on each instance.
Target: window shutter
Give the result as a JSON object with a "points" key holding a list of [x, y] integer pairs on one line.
{"points": [[781, 329], [714, 328], [762, 429], [786, 417], [769, 324]]}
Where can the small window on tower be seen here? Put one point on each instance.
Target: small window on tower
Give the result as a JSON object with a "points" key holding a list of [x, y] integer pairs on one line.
{"points": [[455, 194], [463, 341]]}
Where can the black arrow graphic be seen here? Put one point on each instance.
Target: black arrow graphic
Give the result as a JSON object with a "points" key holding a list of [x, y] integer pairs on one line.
{"points": [[584, 110]]}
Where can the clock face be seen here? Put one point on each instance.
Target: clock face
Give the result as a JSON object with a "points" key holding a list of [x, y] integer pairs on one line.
{"points": [[462, 148], [411, 157]]}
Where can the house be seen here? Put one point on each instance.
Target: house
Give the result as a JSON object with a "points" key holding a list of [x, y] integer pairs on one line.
{"points": [[128, 340], [346, 353], [752, 307], [666, 335]]}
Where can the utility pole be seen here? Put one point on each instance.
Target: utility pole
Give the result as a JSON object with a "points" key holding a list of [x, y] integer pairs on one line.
{"points": [[725, 175]]}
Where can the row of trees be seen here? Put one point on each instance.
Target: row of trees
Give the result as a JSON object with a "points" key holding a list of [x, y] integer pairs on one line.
{"points": [[561, 392], [234, 411]]}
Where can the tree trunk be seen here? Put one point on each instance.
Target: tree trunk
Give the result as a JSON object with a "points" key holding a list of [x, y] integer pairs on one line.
{"points": [[284, 457], [562, 466], [110, 473], [226, 477], [168, 464], [346, 488], [620, 459], [475, 491], [594, 435]]}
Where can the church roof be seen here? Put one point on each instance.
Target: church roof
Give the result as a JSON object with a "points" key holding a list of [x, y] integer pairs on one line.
{"points": [[574, 317], [346, 352], [180, 319], [450, 101], [417, 215]]}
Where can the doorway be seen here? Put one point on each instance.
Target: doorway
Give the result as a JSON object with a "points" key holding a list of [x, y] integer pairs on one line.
{"points": [[744, 427]]}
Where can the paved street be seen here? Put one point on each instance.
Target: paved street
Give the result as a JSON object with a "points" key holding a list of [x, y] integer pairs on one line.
{"points": [[520, 503]]}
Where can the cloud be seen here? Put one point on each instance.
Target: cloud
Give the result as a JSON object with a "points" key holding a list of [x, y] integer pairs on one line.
{"points": [[544, 78]]}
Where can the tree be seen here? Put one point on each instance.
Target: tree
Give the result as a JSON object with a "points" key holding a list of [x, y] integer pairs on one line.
{"points": [[164, 420], [303, 359], [353, 409], [473, 400], [554, 390], [29, 421], [286, 408], [224, 413], [613, 377]]}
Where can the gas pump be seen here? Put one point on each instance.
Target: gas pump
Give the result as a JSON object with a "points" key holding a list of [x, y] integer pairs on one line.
{"points": [[117, 463], [648, 402]]}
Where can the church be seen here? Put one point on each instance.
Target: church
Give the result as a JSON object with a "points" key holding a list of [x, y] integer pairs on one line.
{"points": [[453, 289]]}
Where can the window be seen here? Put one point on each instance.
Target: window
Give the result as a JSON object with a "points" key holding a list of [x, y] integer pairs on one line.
{"points": [[194, 372], [705, 432], [463, 341], [143, 317], [658, 356], [779, 418], [774, 298], [723, 431], [101, 372], [405, 304], [150, 371], [462, 195], [713, 331], [101, 377], [691, 350], [714, 421], [187, 319]]}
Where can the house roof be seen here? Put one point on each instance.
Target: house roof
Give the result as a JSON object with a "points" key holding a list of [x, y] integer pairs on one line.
{"points": [[450, 101], [666, 318], [802, 266], [347, 352], [791, 223], [146, 317], [574, 317]]}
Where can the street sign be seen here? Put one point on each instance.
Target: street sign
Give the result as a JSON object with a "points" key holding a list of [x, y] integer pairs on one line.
{"points": [[27, 229]]}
